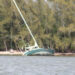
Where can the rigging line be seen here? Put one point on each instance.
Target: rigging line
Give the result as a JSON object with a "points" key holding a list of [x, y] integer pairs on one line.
{"points": [[25, 23]]}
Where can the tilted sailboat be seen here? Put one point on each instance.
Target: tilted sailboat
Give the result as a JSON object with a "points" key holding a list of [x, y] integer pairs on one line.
{"points": [[33, 50]]}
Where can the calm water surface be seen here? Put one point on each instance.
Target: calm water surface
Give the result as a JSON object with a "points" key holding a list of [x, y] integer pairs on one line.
{"points": [[37, 65]]}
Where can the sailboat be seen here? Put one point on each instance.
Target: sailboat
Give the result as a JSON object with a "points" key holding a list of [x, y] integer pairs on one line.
{"points": [[33, 50]]}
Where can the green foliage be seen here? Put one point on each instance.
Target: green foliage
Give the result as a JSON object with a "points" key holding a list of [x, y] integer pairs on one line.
{"points": [[52, 24]]}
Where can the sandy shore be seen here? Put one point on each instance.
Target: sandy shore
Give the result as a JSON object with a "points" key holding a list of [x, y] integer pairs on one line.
{"points": [[18, 53], [64, 54], [8, 53]]}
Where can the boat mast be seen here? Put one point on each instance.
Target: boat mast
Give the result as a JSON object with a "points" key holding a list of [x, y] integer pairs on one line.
{"points": [[25, 22]]}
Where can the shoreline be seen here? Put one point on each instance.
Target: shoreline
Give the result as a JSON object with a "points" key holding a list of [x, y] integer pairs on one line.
{"points": [[8, 53], [64, 54], [18, 53]]}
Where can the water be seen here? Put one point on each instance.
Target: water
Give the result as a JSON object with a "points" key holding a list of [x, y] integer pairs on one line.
{"points": [[37, 65]]}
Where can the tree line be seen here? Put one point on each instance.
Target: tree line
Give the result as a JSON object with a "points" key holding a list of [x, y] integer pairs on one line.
{"points": [[52, 23]]}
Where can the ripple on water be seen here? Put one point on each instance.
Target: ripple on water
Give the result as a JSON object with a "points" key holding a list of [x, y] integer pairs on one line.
{"points": [[37, 65]]}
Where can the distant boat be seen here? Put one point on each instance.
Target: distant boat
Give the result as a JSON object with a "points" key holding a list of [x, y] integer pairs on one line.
{"points": [[33, 50]]}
